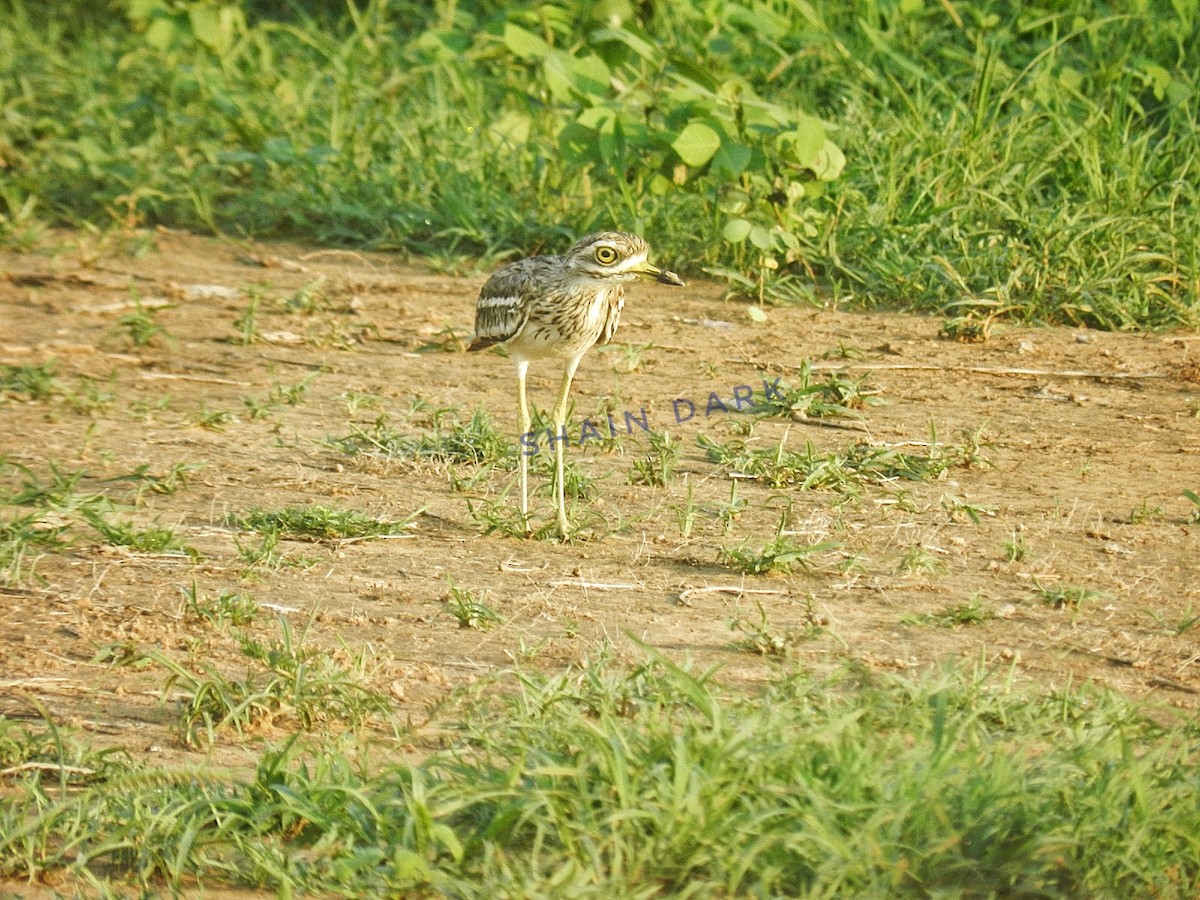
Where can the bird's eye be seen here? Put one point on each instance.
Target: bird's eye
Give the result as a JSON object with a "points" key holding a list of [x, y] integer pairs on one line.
{"points": [[606, 255]]}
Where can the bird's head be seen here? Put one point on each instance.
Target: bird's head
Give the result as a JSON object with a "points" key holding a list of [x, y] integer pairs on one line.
{"points": [[616, 256]]}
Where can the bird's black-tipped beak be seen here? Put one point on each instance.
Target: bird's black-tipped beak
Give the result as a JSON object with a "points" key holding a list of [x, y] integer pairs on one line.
{"points": [[662, 276]]}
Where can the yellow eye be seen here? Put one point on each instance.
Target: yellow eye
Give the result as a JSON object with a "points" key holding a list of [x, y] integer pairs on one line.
{"points": [[606, 255]]}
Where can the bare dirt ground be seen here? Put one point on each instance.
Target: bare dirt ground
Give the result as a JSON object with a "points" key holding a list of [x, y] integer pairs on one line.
{"points": [[1091, 439]]}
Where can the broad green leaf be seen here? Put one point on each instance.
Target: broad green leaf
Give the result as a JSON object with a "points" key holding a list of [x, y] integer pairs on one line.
{"points": [[634, 42], [210, 27], [828, 164], [161, 33], [596, 117], [511, 129], [556, 69], [736, 230], [577, 144], [523, 43], [756, 314], [731, 160], [696, 144], [611, 144], [141, 10], [590, 74], [801, 144], [91, 151], [760, 237]]}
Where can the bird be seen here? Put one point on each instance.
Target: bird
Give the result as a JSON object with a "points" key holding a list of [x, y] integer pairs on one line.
{"points": [[559, 307]]}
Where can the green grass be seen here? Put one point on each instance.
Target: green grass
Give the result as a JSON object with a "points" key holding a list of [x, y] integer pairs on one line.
{"points": [[29, 382], [846, 471], [781, 555], [602, 782], [766, 639], [980, 162], [810, 398], [974, 612], [284, 682], [317, 523], [47, 512], [475, 441]]}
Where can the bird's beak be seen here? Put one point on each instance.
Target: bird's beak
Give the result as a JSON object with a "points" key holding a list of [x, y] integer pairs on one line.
{"points": [[662, 276]]}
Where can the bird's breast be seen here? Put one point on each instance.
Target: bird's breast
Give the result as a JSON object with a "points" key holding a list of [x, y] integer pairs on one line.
{"points": [[565, 325]]}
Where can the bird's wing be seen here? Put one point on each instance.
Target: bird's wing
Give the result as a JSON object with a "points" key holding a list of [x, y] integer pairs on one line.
{"points": [[612, 315], [503, 305]]}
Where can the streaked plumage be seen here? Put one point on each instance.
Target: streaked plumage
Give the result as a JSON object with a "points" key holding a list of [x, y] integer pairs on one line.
{"points": [[559, 307]]}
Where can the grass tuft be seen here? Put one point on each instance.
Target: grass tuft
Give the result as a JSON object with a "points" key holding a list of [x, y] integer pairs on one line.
{"points": [[317, 523], [599, 781]]}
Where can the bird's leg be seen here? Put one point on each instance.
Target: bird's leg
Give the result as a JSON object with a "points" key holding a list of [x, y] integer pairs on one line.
{"points": [[523, 409], [560, 440]]}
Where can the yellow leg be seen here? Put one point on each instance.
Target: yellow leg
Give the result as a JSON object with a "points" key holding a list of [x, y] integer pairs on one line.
{"points": [[560, 421], [523, 409]]}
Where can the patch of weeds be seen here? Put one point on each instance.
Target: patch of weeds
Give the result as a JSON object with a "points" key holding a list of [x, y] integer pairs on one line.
{"points": [[236, 608], [765, 639], [632, 356], [1068, 596], [956, 507], [781, 555], [38, 755], [57, 491], [852, 564], [308, 299], [919, 560], [1015, 548], [20, 229], [29, 382], [846, 471], [500, 516], [287, 683], [743, 428], [448, 340], [424, 414], [267, 555], [657, 466], [213, 419], [145, 482], [461, 483], [469, 611], [318, 523], [577, 484], [726, 512], [969, 453], [1146, 514], [24, 538], [1186, 623], [279, 395], [246, 323], [142, 409], [141, 326], [973, 612], [357, 400], [88, 397], [970, 321], [151, 539], [685, 514], [844, 351], [834, 396], [1194, 498], [475, 441]]}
